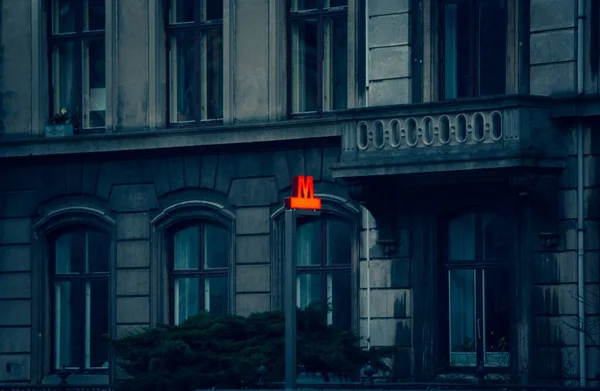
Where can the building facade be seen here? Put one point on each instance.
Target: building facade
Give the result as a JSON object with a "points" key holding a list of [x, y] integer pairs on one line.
{"points": [[454, 144]]}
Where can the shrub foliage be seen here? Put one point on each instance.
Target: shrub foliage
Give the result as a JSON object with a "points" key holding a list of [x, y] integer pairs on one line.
{"points": [[226, 351]]}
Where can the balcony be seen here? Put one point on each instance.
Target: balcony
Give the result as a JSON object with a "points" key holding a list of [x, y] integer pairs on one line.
{"points": [[487, 133]]}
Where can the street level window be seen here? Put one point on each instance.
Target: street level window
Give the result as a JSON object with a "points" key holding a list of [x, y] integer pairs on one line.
{"points": [[80, 300], [318, 55], [473, 48], [199, 271], [195, 60], [324, 261], [77, 61]]}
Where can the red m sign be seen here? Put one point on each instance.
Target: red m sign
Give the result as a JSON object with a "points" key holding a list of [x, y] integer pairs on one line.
{"points": [[303, 194]]}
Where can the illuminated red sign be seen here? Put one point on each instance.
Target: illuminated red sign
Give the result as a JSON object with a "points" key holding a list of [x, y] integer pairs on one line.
{"points": [[303, 194]]}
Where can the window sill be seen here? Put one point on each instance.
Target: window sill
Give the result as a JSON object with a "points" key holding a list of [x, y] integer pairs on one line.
{"points": [[195, 124], [97, 378]]}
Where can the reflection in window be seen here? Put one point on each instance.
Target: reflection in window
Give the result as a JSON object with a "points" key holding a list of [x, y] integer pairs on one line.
{"points": [[318, 55], [78, 71], [80, 299], [324, 259], [195, 33], [474, 48], [199, 269]]}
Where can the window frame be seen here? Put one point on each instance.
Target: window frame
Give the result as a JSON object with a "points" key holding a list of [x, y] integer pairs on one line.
{"points": [[320, 13], [82, 278], [201, 273], [478, 266], [198, 27], [78, 38]]}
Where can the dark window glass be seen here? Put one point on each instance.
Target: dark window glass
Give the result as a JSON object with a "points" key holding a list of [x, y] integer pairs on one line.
{"points": [[199, 270]]}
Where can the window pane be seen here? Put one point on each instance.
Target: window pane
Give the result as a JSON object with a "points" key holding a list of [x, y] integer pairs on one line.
{"points": [[212, 74], [213, 10], [304, 65], [299, 5], [215, 295], [186, 298], [98, 251], [182, 78], [496, 238], [186, 249], [462, 317], [335, 63], [497, 318], [68, 324], [339, 297], [461, 238], [64, 15], [458, 34], [70, 254], [492, 47], [309, 243], [335, 3], [339, 242], [216, 246], [182, 11], [64, 82], [95, 14], [96, 354], [308, 290], [94, 82]]}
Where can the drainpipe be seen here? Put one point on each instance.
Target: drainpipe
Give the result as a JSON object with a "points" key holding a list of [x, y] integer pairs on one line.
{"points": [[580, 198], [367, 217]]}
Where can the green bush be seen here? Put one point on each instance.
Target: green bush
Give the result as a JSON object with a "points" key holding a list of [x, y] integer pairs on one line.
{"points": [[226, 351]]}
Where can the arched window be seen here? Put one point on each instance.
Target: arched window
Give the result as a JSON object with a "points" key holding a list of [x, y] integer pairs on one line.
{"points": [[79, 271], [324, 267], [198, 270]]}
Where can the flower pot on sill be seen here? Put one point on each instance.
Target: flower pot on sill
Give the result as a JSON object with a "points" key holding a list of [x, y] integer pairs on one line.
{"points": [[58, 130]]}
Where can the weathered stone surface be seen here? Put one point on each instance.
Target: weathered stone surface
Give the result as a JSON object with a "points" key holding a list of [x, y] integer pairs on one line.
{"points": [[15, 258], [295, 162], [568, 178], [133, 310], [15, 339], [593, 363], [133, 254], [281, 170], [225, 172], [192, 171], [552, 79], [551, 362], [253, 192], [568, 235], [17, 203], [552, 14], [592, 267], [389, 62], [253, 221], [331, 155], [386, 303], [253, 278], [555, 299], [253, 249], [15, 231], [160, 176], [117, 172], [552, 46], [14, 367], [208, 171], [387, 273], [555, 331], [52, 183], [555, 268], [592, 235], [313, 161], [247, 304], [89, 177], [73, 178], [15, 286], [389, 92], [133, 198], [591, 204], [592, 299], [15, 312], [389, 30], [383, 7], [133, 282], [133, 226], [176, 173], [388, 332]]}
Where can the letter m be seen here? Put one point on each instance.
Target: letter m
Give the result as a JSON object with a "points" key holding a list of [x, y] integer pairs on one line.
{"points": [[304, 187]]}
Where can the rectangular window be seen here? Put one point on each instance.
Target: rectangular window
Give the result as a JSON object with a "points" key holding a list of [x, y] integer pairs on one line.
{"points": [[80, 300], [473, 47], [195, 62], [77, 61], [318, 55], [200, 260]]}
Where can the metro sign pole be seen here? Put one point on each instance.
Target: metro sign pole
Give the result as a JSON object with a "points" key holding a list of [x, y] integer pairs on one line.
{"points": [[301, 203]]}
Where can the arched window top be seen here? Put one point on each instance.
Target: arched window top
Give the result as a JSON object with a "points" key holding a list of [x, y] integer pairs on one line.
{"points": [[191, 212], [332, 205], [65, 218]]}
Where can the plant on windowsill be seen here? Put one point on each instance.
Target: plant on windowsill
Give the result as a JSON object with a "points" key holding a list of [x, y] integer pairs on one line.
{"points": [[59, 125]]}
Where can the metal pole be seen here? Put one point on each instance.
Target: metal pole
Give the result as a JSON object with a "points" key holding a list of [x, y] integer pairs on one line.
{"points": [[290, 299]]}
